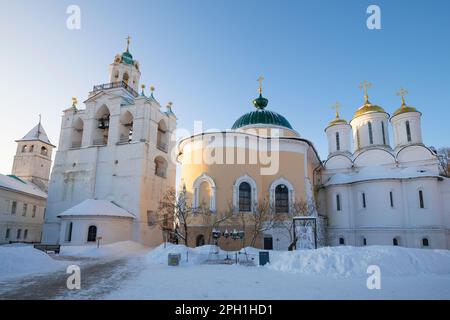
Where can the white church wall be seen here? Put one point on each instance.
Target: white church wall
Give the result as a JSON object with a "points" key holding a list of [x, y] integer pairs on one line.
{"points": [[374, 157]]}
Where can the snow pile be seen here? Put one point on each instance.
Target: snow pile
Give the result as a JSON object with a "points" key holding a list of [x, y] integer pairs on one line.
{"points": [[353, 261], [113, 250], [189, 256], [343, 261], [21, 260]]}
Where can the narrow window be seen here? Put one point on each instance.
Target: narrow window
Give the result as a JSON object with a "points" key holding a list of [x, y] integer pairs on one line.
{"points": [[364, 242], [425, 242], [408, 131], [370, 133], [33, 214], [19, 233], [363, 196], [24, 209], [14, 207], [25, 234], [338, 144], [358, 140], [383, 133], [395, 242], [8, 231], [281, 199], [421, 203], [69, 232], [391, 198], [92, 233], [338, 202], [341, 241], [245, 197]]}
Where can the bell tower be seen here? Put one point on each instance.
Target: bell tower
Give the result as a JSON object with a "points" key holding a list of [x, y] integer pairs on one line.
{"points": [[33, 157], [125, 68]]}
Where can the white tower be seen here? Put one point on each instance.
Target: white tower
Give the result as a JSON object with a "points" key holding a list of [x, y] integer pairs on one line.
{"points": [[33, 159], [125, 69], [338, 134], [370, 124], [406, 124]]}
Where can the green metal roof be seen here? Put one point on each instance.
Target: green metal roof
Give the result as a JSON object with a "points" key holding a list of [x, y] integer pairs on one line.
{"points": [[261, 116], [127, 58]]}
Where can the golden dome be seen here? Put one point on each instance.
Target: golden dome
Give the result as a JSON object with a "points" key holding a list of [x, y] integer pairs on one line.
{"points": [[368, 108], [337, 121], [403, 109]]}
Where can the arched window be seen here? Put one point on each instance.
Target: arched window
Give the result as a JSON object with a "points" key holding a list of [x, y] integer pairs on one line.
{"points": [[204, 189], [160, 167], [338, 202], [24, 148], [358, 140], [383, 133], [161, 138], [281, 199], [363, 200], [92, 234], [338, 143], [200, 240], [369, 124], [125, 78], [421, 201], [69, 227], [364, 240], [116, 74], [408, 131], [245, 197], [31, 148], [391, 198], [44, 151], [101, 133], [126, 127], [395, 242], [425, 242], [341, 241], [77, 133]]}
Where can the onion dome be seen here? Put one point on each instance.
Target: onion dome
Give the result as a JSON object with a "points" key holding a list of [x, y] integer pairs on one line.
{"points": [[261, 116], [337, 119], [367, 107], [126, 56], [404, 108]]}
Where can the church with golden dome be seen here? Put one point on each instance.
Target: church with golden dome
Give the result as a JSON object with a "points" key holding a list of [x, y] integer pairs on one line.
{"points": [[266, 182]]}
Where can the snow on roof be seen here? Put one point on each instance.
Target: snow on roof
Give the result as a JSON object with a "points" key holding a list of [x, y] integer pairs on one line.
{"points": [[16, 184], [380, 172], [37, 133], [91, 207]]}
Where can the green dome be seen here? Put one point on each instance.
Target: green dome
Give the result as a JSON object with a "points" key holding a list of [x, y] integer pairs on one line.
{"points": [[127, 58], [261, 116]]}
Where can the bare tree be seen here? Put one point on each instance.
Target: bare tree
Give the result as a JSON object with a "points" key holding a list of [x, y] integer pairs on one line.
{"points": [[444, 160], [213, 220], [175, 205], [285, 221], [258, 221]]}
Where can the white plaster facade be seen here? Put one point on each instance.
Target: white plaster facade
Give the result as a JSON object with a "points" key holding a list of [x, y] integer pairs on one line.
{"points": [[116, 149], [378, 195]]}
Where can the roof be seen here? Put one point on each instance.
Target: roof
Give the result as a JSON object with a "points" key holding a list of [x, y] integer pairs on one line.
{"points": [[14, 183], [91, 207], [368, 108], [36, 134], [404, 109], [261, 116], [379, 173]]}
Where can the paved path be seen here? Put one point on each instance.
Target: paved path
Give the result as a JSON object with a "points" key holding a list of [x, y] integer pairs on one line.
{"points": [[98, 278]]}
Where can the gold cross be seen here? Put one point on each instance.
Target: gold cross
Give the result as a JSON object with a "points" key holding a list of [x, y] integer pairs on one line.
{"points": [[402, 93], [74, 101], [128, 42], [260, 80], [336, 107], [365, 85]]}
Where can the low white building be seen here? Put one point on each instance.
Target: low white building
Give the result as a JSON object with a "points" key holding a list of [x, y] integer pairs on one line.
{"points": [[113, 164], [23, 194], [375, 194]]}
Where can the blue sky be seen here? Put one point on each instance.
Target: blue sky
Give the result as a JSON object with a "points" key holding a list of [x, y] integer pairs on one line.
{"points": [[205, 56]]}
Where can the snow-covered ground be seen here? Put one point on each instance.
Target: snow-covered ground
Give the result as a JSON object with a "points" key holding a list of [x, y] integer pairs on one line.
{"points": [[326, 273]]}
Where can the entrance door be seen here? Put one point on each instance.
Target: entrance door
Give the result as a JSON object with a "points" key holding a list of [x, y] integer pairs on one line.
{"points": [[268, 243]]}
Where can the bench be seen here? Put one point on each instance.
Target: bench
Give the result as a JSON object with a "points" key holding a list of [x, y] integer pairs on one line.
{"points": [[48, 247]]}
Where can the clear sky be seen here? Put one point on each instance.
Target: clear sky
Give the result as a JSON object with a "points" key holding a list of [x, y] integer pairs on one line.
{"points": [[205, 56]]}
